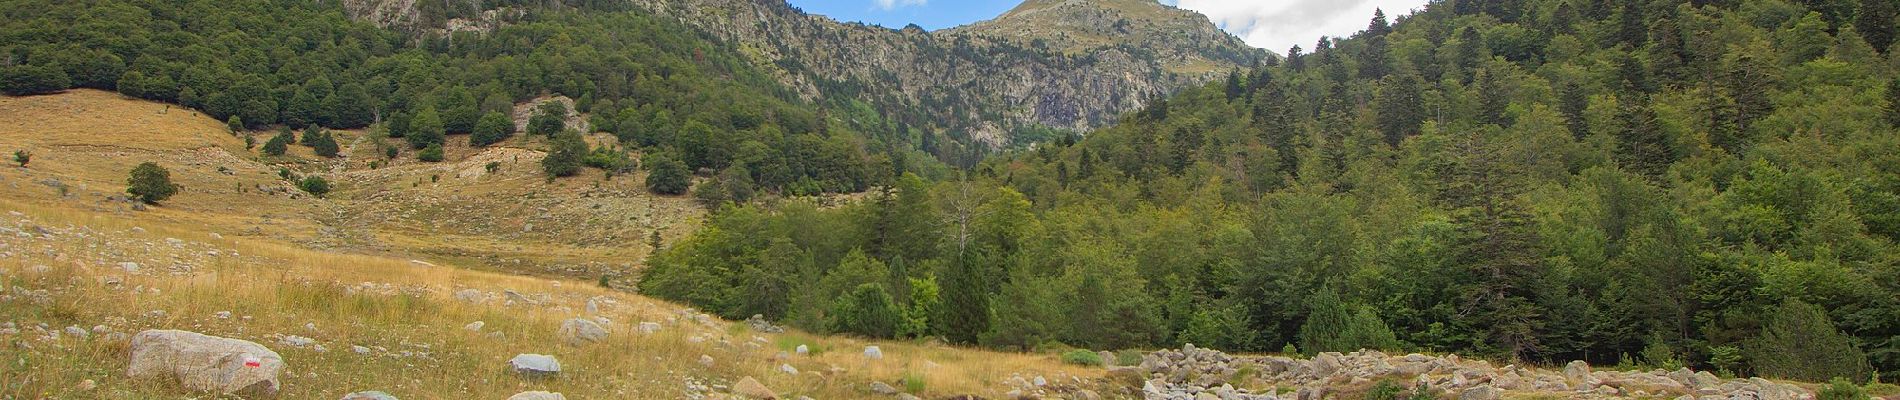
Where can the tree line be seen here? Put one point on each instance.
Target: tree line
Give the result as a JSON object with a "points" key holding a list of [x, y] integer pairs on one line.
{"points": [[1712, 184]]}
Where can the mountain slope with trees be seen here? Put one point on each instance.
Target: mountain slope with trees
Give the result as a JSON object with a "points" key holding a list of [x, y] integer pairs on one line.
{"points": [[1618, 181]]}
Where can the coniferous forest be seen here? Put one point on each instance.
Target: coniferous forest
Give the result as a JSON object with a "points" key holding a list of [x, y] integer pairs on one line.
{"points": [[1713, 184]]}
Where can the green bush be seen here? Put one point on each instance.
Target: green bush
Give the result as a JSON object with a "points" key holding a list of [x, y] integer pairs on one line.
{"points": [[22, 157], [1082, 357], [548, 119], [1385, 389], [494, 127], [1128, 357], [150, 183], [667, 175], [867, 311], [279, 144], [433, 153], [315, 185], [1841, 389], [564, 154]]}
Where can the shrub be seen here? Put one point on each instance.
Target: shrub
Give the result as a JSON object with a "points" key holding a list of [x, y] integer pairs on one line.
{"points": [[22, 157], [315, 185], [1385, 389], [150, 183], [913, 382], [322, 143], [425, 129], [235, 124], [279, 144], [492, 166], [1800, 342], [548, 119], [494, 127], [610, 160], [666, 175], [564, 155], [390, 152], [433, 153], [1128, 357], [1082, 357], [1841, 389]]}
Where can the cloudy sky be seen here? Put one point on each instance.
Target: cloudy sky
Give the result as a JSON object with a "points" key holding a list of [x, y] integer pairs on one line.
{"points": [[1270, 24]]}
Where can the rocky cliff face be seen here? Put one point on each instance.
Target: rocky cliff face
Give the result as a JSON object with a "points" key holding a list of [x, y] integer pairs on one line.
{"points": [[1072, 64]]}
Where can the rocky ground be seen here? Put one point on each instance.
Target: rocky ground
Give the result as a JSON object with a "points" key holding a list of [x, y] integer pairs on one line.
{"points": [[1193, 373]]}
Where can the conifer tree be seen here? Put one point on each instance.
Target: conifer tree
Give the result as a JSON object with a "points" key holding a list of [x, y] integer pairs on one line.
{"points": [[1400, 108], [1801, 342], [1875, 21]]}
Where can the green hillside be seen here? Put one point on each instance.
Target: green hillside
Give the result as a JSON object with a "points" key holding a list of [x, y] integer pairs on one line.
{"points": [[1713, 184]]}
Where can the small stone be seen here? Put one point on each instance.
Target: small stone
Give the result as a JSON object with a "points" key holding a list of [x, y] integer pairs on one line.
{"points": [[802, 350], [882, 388], [706, 360], [788, 369], [360, 350], [78, 332], [129, 267], [368, 395], [537, 395], [752, 389], [474, 326], [872, 352], [649, 327], [223, 315], [86, 385], [297, 341]]}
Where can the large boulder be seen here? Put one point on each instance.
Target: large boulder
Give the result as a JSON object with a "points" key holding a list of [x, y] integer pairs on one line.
{"points": [[752, 389], [578, 331], [535, 365], [206, 363], [537, 395]]}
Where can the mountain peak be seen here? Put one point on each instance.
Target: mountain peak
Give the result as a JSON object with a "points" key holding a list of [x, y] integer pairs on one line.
{"points": [[1186, 41]]}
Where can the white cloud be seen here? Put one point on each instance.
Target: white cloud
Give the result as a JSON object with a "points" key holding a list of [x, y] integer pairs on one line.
{"points": [[888, 5], [1277, 25]]}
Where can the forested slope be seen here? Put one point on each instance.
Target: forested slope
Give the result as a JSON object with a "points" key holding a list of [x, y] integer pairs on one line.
{"points": [[654, 83], [1713, 184]]}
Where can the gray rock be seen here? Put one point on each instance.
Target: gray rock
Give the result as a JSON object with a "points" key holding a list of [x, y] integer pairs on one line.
{"points": [[129, 267], [535, 365], [206, 363], [882, 388], [578, 331], [706, 360], [1482, 392], [475, 326], [649, 327], [802, 350], [788, 369], [537, 395], [872, 352], [368, 395], [297, 341]]}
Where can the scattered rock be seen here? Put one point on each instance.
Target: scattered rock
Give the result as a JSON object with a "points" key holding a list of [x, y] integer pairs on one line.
{"points": [[882, 388], [206, 363], [758, 324], [537, 395], [368, 395], [752, 389], [535, 365], [1482, 392], [578, 331]]}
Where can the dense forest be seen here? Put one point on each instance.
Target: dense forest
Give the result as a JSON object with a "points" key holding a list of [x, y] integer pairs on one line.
{"points": [[664, 90], [1711, 183]]}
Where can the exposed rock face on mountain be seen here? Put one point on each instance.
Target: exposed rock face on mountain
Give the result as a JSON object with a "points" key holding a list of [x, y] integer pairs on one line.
{"points": [[1066, 64], [1072, 64]]}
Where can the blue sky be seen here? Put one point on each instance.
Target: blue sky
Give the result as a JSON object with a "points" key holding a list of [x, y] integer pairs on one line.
{"points": [[1270, 24]]}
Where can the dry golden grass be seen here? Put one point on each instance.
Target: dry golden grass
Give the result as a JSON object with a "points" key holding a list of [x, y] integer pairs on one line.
{"points": [[344, 264], [274, 288]]}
